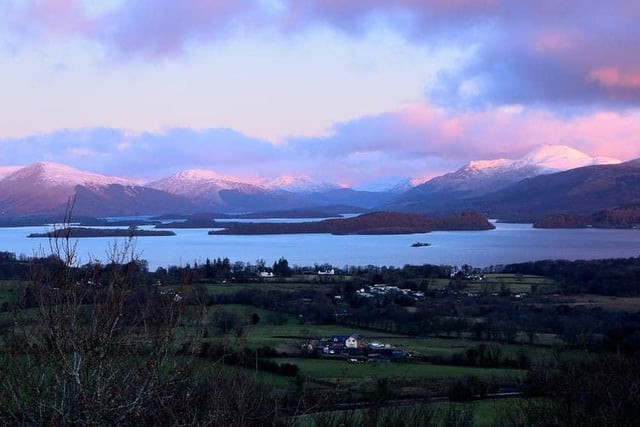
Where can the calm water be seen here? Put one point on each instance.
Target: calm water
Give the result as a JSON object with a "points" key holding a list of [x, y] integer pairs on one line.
{"points": [[508, 243]]}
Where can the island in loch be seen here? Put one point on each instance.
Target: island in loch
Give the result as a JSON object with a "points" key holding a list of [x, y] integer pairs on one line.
{"points": [[81, 232], [376, 223]]}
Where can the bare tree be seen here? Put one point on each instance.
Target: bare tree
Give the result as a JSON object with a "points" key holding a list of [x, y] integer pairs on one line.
{"points": [[97, 346]]}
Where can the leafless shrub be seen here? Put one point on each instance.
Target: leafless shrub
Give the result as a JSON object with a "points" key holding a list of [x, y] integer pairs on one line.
{"points": [[114, 352]]}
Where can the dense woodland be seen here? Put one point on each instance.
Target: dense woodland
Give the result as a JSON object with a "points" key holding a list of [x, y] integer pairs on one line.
{"points": [[619, 217]]}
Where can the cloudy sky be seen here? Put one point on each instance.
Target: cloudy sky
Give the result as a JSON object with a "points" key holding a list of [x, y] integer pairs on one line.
{"points": [[359, 92]]}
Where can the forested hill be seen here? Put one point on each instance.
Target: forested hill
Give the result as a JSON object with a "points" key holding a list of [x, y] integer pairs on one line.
{"points": [[372, 223], [619, 217], [80, 232]]}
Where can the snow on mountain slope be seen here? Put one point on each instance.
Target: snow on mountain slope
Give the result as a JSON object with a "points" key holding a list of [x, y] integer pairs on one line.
{"points": [[202, 184], [544, 159], [558, 158], [299, 184], [46, 187], [483, 176], [211, 191], [8, 170], [58, 175], [488, 166]]}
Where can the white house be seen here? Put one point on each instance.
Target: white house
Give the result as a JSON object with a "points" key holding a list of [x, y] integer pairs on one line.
{"points": [[354, 341]]}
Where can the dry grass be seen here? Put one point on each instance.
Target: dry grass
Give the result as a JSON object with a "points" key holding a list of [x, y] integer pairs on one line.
{"points": [[630, 304]]}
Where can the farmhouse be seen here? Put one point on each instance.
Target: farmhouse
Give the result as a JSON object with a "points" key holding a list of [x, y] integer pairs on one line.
{"points": [[380, 291], [355, 348], [355, 341], [347, 341], [342, 343]]}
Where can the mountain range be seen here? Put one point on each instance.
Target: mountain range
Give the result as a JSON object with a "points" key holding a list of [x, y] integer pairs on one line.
{"points": [[487, 176], [549, 179], [46, 188]]}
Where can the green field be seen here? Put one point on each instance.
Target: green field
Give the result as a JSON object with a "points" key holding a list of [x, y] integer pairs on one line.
{"points": [[340, 369], [514, 283], [219, 288], [8, 291], [483, 413], [437, 363]]}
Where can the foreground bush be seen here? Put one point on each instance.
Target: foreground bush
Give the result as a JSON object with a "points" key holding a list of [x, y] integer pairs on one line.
{"points": [[114, 351]]}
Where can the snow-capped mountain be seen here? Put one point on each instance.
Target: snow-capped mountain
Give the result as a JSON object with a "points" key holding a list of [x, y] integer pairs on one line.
{"points": [[202, 182], [59, 175], [476, 174], [483, 176], [8, 170], [556, 158], [204, 186], [46, 188], [586, 191], [213, 191], [299, 184]]}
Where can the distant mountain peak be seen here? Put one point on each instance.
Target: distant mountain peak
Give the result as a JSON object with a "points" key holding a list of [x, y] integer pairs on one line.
{"points": [[8, 170], [50, 173], [289, 179], [203, 186], [46, 188], [200, 182], [484, 176], [207, 175], [299, 184], [543, 159], [560, 158], [488, 164]]}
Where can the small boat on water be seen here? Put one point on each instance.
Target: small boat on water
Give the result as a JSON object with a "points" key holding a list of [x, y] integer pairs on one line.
{"points": [[420, 244]]}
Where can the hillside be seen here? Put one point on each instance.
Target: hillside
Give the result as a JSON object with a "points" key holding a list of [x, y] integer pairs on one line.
{"points": [[47, 188], [579, 191], [619, 217], [524, 189], [459, 190]]}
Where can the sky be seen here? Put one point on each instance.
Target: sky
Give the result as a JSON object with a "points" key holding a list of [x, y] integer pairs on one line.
{"points": [[362, 93]]}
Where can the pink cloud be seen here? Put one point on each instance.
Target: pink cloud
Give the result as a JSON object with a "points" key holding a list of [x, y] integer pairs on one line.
{"points": [[527, 52], [608, 134], [491, 133], [452, 130], [411, 142], [162, 28], [428, 141], [551, 41], [57, 17], [530, 53], [612, 77]]}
